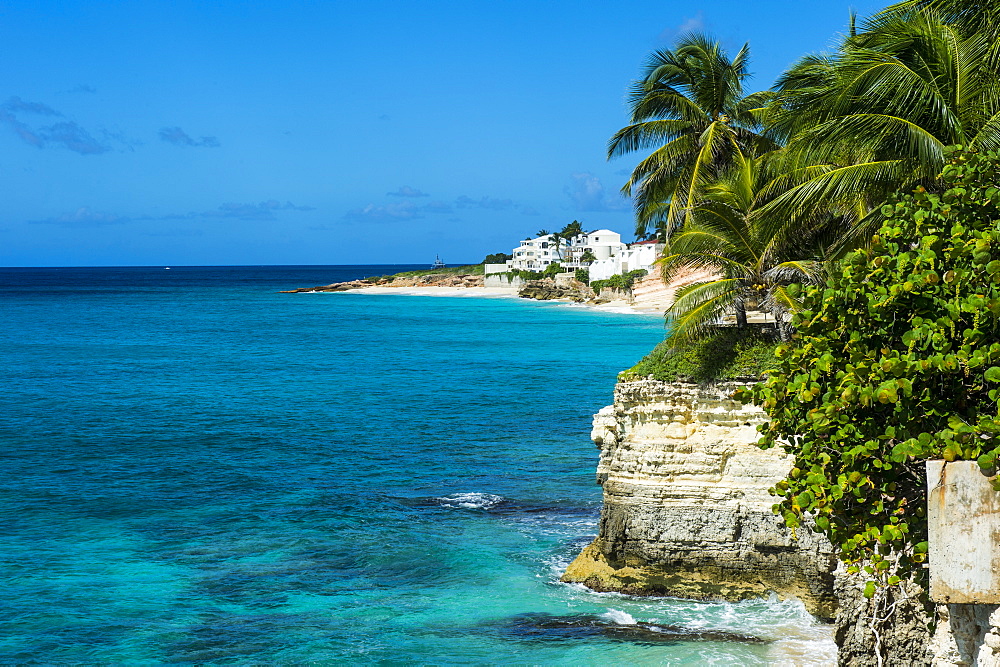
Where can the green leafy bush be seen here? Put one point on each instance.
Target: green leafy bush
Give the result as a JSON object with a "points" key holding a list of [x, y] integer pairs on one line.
{"points": [[619, 281], [524, 274], [583, 275], [497, 258], [727, 354], [897, 360], [552, 269]]}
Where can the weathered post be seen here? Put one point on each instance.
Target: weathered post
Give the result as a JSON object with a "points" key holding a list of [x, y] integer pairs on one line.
{"points": [[963, 527]]}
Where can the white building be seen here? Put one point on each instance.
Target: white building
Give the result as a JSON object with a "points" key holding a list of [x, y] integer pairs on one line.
{"points": [[640, 255], [602, 244], [536, 254], [601, 251]]}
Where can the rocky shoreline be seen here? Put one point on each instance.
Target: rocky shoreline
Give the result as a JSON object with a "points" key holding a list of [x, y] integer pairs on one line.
{"points": [[686, 510], [429, 280], [545, 289]]}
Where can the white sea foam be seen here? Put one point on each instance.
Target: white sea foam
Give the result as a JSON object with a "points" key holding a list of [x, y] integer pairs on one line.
{"points": [[557, 524], [477, 501], [619, 617], [796, 637]]}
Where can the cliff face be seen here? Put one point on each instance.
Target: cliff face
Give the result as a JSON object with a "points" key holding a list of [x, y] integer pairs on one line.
{"points": [[889, 630], [686, 510]]}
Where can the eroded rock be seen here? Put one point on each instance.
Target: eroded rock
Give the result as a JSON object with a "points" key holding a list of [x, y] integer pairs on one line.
{"points": [[686, 510]]}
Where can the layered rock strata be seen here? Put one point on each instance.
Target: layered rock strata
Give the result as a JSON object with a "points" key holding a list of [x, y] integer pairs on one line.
{"points": [[686, 510]]}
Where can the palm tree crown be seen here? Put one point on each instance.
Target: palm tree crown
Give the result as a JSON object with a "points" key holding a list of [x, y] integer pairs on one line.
{"points": [[689, 106], [755, 257], [874, 117]]}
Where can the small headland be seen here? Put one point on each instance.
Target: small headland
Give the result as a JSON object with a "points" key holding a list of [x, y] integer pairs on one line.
{"points": [[458, 276], [686, 512]]}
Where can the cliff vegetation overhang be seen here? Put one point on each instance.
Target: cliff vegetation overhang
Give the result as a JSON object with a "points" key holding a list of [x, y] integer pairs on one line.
{"points": [[726, 354]]}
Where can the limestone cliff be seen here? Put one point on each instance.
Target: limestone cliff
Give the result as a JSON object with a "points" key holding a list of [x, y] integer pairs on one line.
{"points": [[686, 510]]}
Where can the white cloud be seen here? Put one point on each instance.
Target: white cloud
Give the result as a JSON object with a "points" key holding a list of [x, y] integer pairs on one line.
{"points": [[690, 24], [588, 194], [407, 191]]}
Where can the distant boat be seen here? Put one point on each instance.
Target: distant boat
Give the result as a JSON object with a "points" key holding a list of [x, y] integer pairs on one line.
{"points": [[167, 268], [438, 264]]}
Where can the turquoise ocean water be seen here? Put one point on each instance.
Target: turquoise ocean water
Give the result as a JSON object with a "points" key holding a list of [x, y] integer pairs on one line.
{"points": [[196, 468]]}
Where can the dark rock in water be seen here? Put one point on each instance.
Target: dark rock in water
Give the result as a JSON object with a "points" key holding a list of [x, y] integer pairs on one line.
{"points": [[335, 287], [547, 627]]}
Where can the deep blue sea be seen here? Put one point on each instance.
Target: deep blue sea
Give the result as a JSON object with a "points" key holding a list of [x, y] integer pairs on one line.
{"points": [[195, 468]]}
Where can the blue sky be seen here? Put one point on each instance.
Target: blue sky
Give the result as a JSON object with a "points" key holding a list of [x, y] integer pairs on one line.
{"points": [[176, 133]]}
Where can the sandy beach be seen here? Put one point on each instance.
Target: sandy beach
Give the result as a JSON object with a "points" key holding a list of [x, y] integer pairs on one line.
{"points": [[433, 290], [649, 296]]}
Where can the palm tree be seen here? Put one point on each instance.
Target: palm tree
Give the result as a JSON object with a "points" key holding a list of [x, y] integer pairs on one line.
{"points": [[571, 229], [755, 257], [557, 239], [971, 16], [689, 106], [874, 117]]}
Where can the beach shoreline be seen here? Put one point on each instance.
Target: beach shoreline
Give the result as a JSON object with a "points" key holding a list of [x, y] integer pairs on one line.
{"points": [[648, 303], [649, 296]]}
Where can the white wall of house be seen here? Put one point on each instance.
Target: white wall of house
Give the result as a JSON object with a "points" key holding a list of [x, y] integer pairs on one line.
{"points": [[497, 268], [602, 244], [536, 254], [603, 269], [636, 256], [612, 255], [496, 281], [641, 256]]}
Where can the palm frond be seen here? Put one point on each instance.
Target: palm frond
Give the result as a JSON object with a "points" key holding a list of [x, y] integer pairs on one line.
{"points": [[699, 307]]}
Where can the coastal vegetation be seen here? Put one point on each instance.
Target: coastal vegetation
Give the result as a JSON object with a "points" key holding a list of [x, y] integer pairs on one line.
{"points": [[497, 258], [769, 189], [619, 281], [726, 354], [897, 361], [855, 205], [756, 257], [549, 271], [464, 270]]}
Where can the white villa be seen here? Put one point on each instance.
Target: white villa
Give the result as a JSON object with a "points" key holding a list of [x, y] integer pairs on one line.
{"points": [[639, 255], [607, 254]]}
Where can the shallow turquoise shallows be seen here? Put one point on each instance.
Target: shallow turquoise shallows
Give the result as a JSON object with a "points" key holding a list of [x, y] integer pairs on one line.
{"points": [[196, 468]]}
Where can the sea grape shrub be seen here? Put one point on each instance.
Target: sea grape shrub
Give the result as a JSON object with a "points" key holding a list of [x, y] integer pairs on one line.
{"points": [[620, 281], [896, 360]]}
